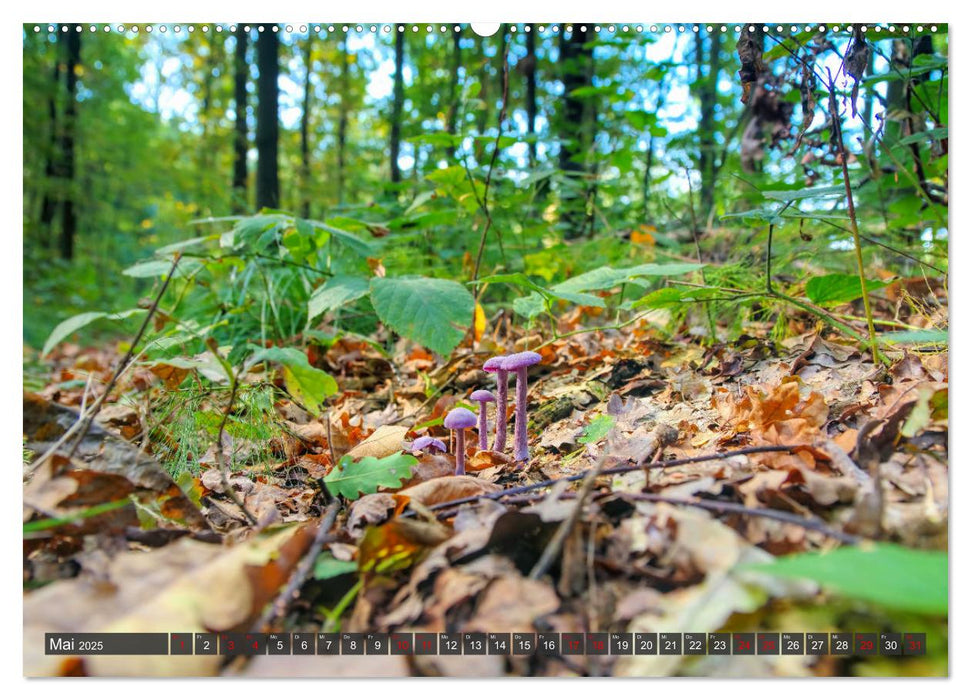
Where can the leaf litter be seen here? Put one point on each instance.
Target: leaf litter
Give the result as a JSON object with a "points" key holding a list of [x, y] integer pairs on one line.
{"points": [[860, 450]]}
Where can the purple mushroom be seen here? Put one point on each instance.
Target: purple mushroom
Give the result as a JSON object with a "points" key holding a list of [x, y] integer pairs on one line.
{"points": [[494, 364], [518, 363], [458, 419], [483, 396], [427, 444]]}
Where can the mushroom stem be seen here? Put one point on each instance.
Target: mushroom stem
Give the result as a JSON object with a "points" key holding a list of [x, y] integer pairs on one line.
{"points": [[502, 390], [460, 452], [521, 447], [483, 427]]}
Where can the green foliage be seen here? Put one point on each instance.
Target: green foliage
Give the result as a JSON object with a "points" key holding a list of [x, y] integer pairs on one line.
{"points": [[836, 289], [71, 325], [327, 566], [596, 430], [433, 312], [352, 479], [886, 574], [309, 385]]}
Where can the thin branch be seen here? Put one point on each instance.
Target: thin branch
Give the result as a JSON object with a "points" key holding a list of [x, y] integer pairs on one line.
{"points": [[552, 550], [299, 576], [770, 513], [616, 470], [83, 424]]}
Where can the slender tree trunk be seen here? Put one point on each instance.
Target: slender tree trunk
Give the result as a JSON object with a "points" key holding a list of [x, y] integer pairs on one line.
{"points": [[708, 97], [574, 61], [241, 133], [531, 92], [267, 120], [52, 169], [305, 129], [205, 154], [342, 124], [68, 215], [397, 105], [453, 90]]}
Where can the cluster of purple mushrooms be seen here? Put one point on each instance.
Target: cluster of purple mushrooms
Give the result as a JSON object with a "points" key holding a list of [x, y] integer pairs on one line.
{"points": [[458, 419]]}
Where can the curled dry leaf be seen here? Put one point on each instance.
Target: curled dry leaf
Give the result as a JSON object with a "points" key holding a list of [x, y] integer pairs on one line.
{"points": [[187, 585], [383, 442], [448, 488]]}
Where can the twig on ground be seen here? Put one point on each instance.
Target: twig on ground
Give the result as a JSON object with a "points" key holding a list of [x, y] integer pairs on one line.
{"points": [[83, 424], [279, 606], [770, 513], [552, 550], [614, 470]]}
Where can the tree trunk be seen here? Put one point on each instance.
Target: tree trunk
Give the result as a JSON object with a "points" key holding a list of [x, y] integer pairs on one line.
{"points": [[707, 89], [397, 105], [530, 68], [575, 60], [305, 129], [453, 90], [241, 134], [342, 124], [206, 154], [68, 215], [52, 168], [267, 120]]}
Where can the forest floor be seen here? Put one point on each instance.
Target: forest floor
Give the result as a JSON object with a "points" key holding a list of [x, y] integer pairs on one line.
{"points": [[660, 471]]}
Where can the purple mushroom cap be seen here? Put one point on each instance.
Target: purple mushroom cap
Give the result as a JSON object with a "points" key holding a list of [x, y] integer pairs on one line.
{"points": [[458, 419], [482, 396], [427, 444], [520, 359], [493, 364]]}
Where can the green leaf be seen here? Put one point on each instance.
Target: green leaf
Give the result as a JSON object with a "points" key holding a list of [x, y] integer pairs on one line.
{"points": [[433, 312], [75, 323], [830, 290], [886, 574], [806, 193], [518, 279], [311, 386], [673, 296], [182, 245], [930, 336], [351, 479], [596, 430], [608, 277], [327, 566], [530, 306], [345, 238], [336, 292], [160, 268]]}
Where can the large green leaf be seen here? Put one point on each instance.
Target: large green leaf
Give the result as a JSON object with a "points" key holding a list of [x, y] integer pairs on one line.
{"points": [[75, 323], [337, 291], [351, 479], [433, 312], [310, 386], [830, 290], [887, 574]]}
